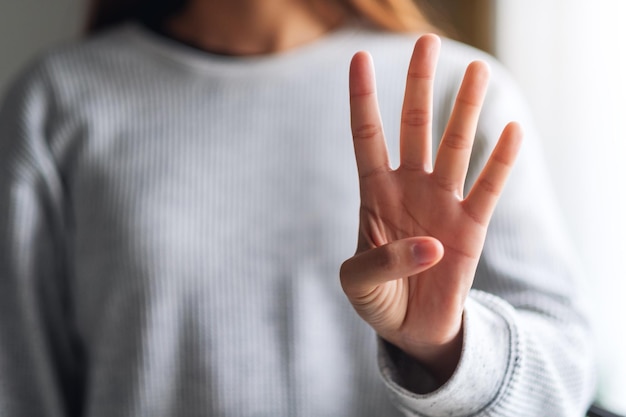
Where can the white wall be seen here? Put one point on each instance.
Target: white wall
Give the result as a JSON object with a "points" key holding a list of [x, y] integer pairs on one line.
{"points": [[27, 26], [570, 58]]}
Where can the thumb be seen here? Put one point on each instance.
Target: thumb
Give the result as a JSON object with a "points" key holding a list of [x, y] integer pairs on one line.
{"points": [[394, 260]]}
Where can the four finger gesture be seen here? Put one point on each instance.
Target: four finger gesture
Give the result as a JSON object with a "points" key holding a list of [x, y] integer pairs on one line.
{"points": [[419, 238]]}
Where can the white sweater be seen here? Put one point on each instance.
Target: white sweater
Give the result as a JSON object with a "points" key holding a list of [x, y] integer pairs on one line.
{"points": [[172, 225]]}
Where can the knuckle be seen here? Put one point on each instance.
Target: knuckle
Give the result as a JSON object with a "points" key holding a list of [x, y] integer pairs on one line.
{"points": [[457, 141], [416, 118], [388, 260], [475, 217], [474, 104], [488, 186], [446, 183], [344, 279], [367, 131], [374, 172], [344, 272], [348, 277], [415, 75], [503, 160]]}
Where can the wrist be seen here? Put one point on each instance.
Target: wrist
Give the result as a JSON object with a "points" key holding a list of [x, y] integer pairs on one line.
{"points": [[440, 359]]}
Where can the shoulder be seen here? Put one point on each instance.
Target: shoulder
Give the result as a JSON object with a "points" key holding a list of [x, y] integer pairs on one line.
{"points": [[93, 51], [75, 65], [60, 78]]}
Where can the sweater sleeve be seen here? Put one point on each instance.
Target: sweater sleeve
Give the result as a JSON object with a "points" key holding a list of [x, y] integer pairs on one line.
{"points": [[527, 348], [36, 355]]}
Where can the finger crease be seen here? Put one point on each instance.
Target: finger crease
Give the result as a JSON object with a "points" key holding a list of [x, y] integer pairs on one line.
{"points": [[488, 187], [367, 132], [362, 94], [416, 76], [473, 216], [375, 171], [416, 118], [456, 141]]}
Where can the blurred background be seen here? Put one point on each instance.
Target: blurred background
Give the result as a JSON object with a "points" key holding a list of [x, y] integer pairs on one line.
{"points": [[569, 56]]}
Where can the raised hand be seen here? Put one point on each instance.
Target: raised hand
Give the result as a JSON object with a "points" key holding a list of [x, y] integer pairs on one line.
{"points": [[419, 239]]}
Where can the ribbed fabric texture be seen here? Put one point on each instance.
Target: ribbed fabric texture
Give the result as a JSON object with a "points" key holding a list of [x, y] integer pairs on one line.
{"points": [[172, 224]]}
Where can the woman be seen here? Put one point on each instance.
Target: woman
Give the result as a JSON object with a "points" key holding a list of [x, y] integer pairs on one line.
{"points": [[177, 196]]}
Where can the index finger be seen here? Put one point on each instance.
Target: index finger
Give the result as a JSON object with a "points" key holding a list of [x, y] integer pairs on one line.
{"points": [[370, 148]]}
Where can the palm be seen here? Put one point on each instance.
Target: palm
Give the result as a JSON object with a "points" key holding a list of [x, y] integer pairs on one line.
{"points": [[404, 203], [411, 303]]}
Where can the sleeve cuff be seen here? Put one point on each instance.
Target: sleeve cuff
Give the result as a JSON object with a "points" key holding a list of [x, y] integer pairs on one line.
{"points": [[488, 359]]}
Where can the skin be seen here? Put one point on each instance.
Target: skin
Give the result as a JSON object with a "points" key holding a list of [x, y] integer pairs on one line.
{"points": [[419, 239], [255, 27]]}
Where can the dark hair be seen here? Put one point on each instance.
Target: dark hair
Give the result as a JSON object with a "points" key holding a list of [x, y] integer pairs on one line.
{"points": [[393, 15], [106, 13]]}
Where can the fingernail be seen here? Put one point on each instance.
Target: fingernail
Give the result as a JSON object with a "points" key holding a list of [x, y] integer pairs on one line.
{"points": [[423, 252]]}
